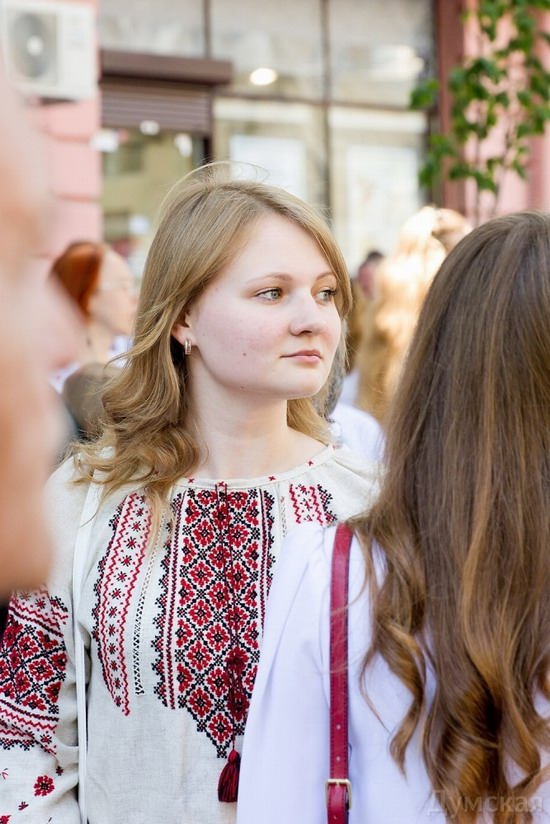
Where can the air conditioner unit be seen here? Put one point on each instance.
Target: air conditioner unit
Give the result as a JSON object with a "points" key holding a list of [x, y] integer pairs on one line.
{"points": [[49, 48]]}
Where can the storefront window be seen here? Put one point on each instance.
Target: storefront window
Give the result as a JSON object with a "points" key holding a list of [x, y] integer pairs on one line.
{"points": [[378, 49], [138, 170], [282, 139], [319, 100], [374, 183], [155, 26], [276, 47]]}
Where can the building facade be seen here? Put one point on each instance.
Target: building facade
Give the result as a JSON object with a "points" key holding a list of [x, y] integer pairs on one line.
{"points": [[312, 94]]}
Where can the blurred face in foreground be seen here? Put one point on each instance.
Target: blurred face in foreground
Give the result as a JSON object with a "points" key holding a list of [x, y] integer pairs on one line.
{"points": [[37, 334]]}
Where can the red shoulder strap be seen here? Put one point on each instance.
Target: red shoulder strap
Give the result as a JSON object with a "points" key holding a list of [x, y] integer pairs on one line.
{"points": [[338, 786]]}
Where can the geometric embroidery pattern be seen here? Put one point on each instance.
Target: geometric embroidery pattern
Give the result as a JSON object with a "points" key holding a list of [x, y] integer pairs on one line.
{"points": [[118, 572], [220, 537], [33, 664], [216, 567], [311, 503]]}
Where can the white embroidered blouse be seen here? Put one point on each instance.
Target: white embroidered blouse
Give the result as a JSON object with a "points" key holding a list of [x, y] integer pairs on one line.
{"points": [[166, 627]]}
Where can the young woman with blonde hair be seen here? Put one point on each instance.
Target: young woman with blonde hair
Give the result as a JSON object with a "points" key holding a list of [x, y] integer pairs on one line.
{"points": [[449, 608], [211, 453]]}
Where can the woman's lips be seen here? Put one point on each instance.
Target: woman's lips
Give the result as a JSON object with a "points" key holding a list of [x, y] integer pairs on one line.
{"points": [[306, 356]]}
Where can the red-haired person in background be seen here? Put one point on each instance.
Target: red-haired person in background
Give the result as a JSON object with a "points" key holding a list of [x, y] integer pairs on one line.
{"points": [[101, 284]]}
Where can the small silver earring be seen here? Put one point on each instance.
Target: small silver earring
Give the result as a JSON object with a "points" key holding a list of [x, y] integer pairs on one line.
{"points": [[187, 346]]}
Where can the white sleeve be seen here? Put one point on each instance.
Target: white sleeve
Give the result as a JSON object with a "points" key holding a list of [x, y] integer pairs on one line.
{"points": [[38, 738], [38, 751]]}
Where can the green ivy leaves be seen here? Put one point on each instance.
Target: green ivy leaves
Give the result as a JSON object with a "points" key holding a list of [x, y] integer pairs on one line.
{"points": [[501, 94]]}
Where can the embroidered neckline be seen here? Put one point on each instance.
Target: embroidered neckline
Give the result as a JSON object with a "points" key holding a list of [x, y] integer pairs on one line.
{"points": [[318, 459], [210, 584]]}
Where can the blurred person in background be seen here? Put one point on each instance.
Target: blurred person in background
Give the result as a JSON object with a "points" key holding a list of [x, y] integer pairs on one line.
{"points": [[350, 427], [364, 290], [402, 282], [83, 395], [356, 325], [103, 287], [37, 334], [366, 273]]}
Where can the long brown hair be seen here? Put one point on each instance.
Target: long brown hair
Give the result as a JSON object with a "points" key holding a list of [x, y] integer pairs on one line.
{"points": [[464, 522], [205, 220]]}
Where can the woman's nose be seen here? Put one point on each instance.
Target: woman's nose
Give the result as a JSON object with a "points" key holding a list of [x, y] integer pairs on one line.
{"points": [[307, 317]]}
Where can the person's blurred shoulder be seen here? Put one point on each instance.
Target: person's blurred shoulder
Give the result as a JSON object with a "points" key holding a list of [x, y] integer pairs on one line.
{"points": [[359, 431], [83, 392]]}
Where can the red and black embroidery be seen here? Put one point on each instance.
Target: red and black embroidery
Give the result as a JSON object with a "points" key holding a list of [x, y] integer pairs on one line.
{"points": [[208, 560], [216, 566], [118, 573], [33, 664], [311, 503], [44, 785]]}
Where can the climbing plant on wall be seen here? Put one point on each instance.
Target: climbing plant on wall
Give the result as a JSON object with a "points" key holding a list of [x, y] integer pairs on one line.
{"points": [[500, 99]]}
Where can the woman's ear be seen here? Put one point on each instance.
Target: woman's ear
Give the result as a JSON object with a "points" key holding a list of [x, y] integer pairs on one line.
{"points": [[182, 330]]}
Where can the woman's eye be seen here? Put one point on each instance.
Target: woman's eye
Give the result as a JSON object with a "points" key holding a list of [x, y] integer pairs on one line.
{"points": [[327, 295], [270, 294]]}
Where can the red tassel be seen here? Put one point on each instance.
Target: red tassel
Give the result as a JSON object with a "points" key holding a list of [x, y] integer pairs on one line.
{"points": [[228, 785]]}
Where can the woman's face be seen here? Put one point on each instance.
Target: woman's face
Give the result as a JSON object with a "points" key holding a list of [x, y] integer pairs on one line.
{"points": [[114, 302], [268, 325]]}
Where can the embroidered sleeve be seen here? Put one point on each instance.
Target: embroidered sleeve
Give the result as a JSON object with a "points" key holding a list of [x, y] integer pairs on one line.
{"points": [[38, 752]]}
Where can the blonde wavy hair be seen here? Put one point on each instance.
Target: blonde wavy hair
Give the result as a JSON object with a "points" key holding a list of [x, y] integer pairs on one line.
{"points": [[464, 522], [147, 437], [402, 281]]}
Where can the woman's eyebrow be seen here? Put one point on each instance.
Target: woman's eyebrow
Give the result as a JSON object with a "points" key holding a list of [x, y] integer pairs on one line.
{"points": [[286, 277]]}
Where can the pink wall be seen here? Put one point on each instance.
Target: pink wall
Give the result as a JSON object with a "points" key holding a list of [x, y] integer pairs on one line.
{"points": [[533, 193], [74, 170], [539, 166], [453, 41]]}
